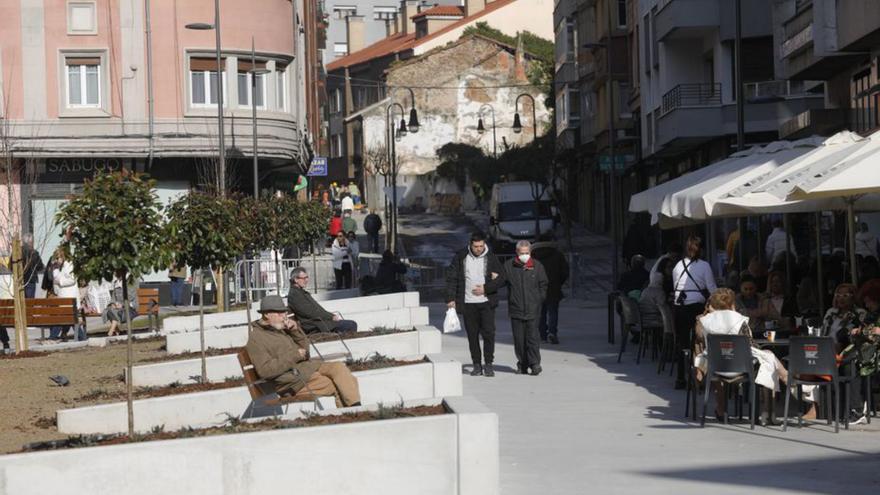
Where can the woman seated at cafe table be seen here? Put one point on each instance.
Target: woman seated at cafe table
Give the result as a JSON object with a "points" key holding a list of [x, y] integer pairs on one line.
{"points": [[865, 340], [843, 316], [778, 308], [721, 317]]}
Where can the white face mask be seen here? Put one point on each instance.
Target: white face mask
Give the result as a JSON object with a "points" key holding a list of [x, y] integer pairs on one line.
{"points": [[524, 258]]}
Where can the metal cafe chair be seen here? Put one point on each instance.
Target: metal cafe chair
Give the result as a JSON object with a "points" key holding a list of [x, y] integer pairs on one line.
{"points": [[730, 362], [812, 361]]}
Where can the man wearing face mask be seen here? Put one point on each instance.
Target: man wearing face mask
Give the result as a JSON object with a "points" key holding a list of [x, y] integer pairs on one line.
{"points": [[527, 288], [472, 282]]}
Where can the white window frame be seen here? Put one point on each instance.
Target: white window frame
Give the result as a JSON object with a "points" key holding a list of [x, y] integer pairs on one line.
{"points": [[250, 97], [281, 90], [205, 74], [81, 32], [83, 88]]}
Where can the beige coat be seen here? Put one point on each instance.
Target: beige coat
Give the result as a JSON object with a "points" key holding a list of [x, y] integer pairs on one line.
{"points": [[276, 357]]}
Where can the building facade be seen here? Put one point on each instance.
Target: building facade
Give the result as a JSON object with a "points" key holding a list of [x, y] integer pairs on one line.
{"points": [[107, 85], [358, 80]]}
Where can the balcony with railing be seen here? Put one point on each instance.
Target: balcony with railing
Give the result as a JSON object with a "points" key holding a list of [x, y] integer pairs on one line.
{"points": [[691, 95]]}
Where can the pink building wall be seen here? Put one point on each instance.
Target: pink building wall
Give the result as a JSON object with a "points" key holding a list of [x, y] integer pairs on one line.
{"points": [[10, 59], [270, 24], [107, 13]]}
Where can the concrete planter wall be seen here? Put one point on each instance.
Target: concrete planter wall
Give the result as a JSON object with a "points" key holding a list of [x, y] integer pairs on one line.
{"points": [[225, 338], [434, 455], [440, 377], [425, 340], [345, 306]]}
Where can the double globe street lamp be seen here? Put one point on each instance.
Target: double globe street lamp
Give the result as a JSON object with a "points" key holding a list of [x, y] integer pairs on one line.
{"points": [[392, 136]]}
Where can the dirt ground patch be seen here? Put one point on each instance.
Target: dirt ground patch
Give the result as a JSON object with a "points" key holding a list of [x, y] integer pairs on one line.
{"points": [[382, 413], [30, 399]]}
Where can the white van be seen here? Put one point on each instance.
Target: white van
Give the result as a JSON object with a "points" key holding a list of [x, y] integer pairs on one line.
{"points": [[512, 214]]}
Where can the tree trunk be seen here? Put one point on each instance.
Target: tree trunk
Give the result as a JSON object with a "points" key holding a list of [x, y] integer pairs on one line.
{"points": [[221, 290], [202, 328], [21, 337], [277, 271], [129, 389], [247, 298]]}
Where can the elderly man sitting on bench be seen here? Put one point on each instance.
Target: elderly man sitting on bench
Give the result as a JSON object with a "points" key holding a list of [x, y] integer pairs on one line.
{"points": [[280, 353], [310, 314]]}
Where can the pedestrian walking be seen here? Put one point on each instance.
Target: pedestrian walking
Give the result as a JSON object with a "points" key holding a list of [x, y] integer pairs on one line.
{"points": [[349, 224], [472, 282], [342, 261], [33, 264], [177, 274], [372, 226], [527, 288], [556, 268]]}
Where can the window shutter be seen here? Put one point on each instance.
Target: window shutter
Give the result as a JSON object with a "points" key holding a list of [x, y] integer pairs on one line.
{"points": [[200, 64], [244, 66], [82, 61]]}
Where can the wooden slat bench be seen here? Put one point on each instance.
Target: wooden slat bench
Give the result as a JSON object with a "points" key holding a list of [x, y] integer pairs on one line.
{"points": [[42, 313], [262, 391]]}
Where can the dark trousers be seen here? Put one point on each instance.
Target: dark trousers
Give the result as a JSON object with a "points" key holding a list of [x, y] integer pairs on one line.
{"points": [[549, 318], [343, 326], [4, 337], [526, 343], [343, 277], [373, 238], [479, 321], [177, 291], [30, 290], [685, 321]]}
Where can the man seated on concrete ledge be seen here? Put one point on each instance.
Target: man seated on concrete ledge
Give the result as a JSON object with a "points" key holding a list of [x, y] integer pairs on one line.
{"points": [[312, 317], [280, 353]]}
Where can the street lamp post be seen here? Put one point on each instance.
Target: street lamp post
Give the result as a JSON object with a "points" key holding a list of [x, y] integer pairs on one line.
{"points": [[517, 123], [413, 127], [481, 128], [221, 166], [254, 72]]}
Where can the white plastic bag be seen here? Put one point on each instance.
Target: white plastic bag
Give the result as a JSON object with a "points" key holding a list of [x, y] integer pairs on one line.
{"points": [[451, 323]]}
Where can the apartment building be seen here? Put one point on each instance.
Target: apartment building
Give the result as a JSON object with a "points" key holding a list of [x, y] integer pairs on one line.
{"points": [[92, 85], [593, 80], [838, 43], [375, 20]]}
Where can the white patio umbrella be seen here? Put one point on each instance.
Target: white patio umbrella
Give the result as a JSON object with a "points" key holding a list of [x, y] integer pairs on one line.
{"points": [[697, 202], [854, 180]]}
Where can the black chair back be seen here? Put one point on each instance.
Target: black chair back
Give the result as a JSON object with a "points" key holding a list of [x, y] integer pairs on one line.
{"points": [[668, 319], [729, 354], [630, 310], [812, 356]]}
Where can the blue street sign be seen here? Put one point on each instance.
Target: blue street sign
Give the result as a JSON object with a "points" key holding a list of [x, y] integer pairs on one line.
{"points": [[318, 168]]}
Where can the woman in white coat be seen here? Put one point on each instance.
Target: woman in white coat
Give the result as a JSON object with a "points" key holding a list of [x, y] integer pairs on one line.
{"points": [[342, 261], [63, 285]]}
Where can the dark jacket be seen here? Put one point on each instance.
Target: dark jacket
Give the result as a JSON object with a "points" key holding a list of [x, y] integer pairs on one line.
{"points": [[455, 279], [276, 357], [633, 280], [33, 263], [526, 288], [556, 267], [311, 316], [388, 272], [372, 224]]}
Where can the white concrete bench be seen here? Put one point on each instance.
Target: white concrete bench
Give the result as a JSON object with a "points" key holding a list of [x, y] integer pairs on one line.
{"points": [[439, 377], [346, 306], [425, 340], [443, 454], [226, 338]]}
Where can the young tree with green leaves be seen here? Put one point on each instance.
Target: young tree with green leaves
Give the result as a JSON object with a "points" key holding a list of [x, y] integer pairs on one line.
{"points": [[115, 228], [207, 235]]}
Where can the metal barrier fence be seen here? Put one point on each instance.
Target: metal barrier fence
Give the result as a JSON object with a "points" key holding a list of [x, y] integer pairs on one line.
{"points": [[588, 278]]}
